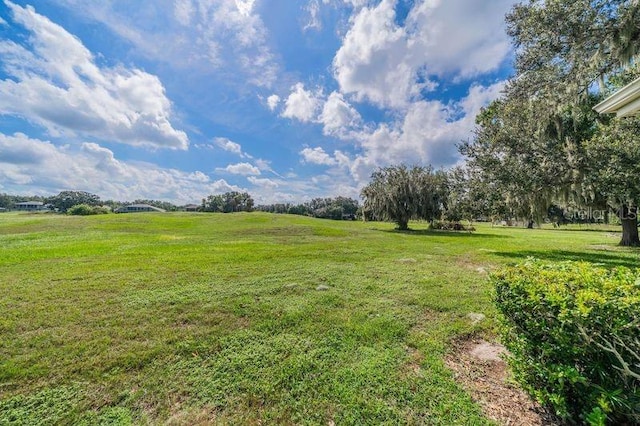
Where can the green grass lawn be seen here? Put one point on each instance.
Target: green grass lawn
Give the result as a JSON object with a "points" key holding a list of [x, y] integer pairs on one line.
{"points": [[200, 318]]}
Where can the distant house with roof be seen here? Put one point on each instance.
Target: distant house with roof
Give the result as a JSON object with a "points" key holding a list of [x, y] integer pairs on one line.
{"points": [[30, 206], [192, 207], [625, 102], [139, 208]]}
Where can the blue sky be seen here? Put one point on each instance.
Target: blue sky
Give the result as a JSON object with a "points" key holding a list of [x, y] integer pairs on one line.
{"points": [[288, 100]]}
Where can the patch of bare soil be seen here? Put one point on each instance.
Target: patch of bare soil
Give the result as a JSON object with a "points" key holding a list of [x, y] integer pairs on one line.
{"points": [[479, 368], [469, 263]]}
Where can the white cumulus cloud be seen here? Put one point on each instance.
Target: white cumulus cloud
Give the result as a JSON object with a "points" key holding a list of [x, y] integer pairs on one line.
{"points": [[317, 156], [220, 37], [338, 116], [244, 169], [245, 6], [371, 64], [228, 145], [428, 133], [302, 104], [263, 182], [53, 81], [273, 101], [30, 165], [463, 37], [391, 64]]}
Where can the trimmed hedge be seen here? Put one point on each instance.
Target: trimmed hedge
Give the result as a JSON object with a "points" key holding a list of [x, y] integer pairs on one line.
{"points": [[573, 333]]}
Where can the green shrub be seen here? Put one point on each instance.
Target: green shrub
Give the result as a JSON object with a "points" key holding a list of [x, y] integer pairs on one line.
{"points": [[573, 333], [444, 225], [86, 210], [101, 210]]}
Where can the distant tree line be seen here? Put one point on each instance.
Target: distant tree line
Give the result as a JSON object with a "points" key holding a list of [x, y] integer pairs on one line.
{"points": [[8, 201], [411, 193], [338, 208], [444, 198], [65, 200], [229, 202]]}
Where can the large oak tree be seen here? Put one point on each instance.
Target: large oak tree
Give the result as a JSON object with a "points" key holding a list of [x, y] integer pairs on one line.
{"points": [[400, 194], [533, 142]]}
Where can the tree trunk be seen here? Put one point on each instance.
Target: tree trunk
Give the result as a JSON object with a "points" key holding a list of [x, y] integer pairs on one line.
{"points": [[629, 219], [530, 224], [403, 225]]}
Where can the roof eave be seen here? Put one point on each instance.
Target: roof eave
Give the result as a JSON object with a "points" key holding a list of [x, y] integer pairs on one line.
{"points": [[624, 102]]}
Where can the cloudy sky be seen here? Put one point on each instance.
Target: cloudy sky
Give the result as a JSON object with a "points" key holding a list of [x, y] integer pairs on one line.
{"points": [[285, 99]]}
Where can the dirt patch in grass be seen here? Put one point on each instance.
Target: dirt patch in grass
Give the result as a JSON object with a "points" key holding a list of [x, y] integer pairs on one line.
{"points": [[479, 368], [470, 264], [194, 417], [412, 365]]}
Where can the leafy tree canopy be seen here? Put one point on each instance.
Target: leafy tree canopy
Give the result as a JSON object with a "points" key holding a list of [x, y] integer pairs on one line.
{"points": [[536, 144], [67, 199], [228, 202], [400, 193]]}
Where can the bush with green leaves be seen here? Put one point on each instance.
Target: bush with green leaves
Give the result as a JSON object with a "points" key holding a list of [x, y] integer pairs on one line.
{"points": [[86, 210], [446, 225], [573, 333]]}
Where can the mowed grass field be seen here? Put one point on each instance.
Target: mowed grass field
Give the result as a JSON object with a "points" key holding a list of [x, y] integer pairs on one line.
{"points": [[249, 318]]}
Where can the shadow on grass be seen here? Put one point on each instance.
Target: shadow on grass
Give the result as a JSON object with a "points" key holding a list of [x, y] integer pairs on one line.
{"points": [[586, 229], [605, 259], [431, 232]]}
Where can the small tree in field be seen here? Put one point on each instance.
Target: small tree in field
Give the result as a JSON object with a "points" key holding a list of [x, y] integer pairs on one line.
{"points": [[229, 202], [399, 194]]}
